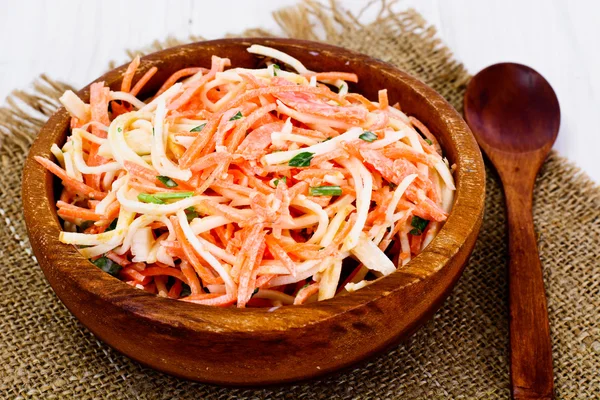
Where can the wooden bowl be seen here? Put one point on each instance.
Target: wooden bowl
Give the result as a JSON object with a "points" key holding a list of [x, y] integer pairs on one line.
{"points": [[256, 346]]}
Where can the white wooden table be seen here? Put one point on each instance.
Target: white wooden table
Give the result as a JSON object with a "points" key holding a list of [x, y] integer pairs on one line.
{"points": [[73, 41]]}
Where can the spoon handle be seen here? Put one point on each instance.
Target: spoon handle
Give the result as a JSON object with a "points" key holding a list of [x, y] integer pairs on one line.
{"points": [[531, 350]]}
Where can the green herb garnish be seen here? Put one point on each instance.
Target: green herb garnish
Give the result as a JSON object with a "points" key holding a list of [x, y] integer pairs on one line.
{"points": [[107, 265], [148, 198], [325, 191], [301, 159], [158, 198], [329, 138], [112, 225], [254, 292], [236, 116], [152, 131], [185, 290], [275, 67], [119, 129], [86, 224], [282, 179], [342, 86], [419, 224], [168, 182], [174, 195], [429, 142], [191, 213], [368, 136], [198, 128]]}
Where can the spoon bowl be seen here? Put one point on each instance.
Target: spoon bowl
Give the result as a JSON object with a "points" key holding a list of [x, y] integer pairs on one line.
{"points": [[512, 108]]}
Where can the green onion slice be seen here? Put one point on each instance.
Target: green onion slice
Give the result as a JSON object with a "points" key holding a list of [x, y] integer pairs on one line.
{"points": [[368, 136], [174, 195], [148, 198], [325, 191], [158, 198], [168, 182]]}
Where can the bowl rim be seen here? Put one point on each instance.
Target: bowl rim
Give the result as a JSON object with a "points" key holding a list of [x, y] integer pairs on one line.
{"points": [[467, 211]]}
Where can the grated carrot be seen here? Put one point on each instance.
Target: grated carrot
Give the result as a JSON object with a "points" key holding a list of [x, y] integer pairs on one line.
{"points": [[263, 183]]}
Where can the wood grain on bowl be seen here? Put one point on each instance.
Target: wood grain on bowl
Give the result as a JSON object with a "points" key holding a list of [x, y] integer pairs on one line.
{"points": [[259, 346]]}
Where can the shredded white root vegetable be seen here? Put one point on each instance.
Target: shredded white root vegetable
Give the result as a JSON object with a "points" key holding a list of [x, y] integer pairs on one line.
{"points": [[363, 186], [372, 257], [320, 148], [353, 287], [74, 105], [247, 186]]}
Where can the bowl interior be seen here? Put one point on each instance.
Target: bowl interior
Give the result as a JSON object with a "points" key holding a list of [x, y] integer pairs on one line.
{"points": [[76, 273]]}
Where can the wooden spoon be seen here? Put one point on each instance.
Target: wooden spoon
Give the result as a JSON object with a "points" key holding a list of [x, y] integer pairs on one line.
{"points": [[514, 114]]}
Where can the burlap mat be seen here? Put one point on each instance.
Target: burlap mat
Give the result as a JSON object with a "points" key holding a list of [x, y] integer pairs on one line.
{"points": [[461, 353]]}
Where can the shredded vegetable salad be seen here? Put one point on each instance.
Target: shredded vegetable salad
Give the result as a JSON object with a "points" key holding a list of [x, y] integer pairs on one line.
{"points": [[249, 187]]}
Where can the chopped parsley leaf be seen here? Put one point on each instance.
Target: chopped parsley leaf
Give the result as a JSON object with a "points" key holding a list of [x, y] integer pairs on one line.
{"points": [[198, 128], [191, 213], [283, 179], [185, 290], [112, 225], [237, 116], [107, 265], [419, 224], [301, 159]]}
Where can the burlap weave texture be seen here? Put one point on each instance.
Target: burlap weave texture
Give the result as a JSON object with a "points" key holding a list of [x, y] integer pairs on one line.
{"points": [[462, 353]]}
